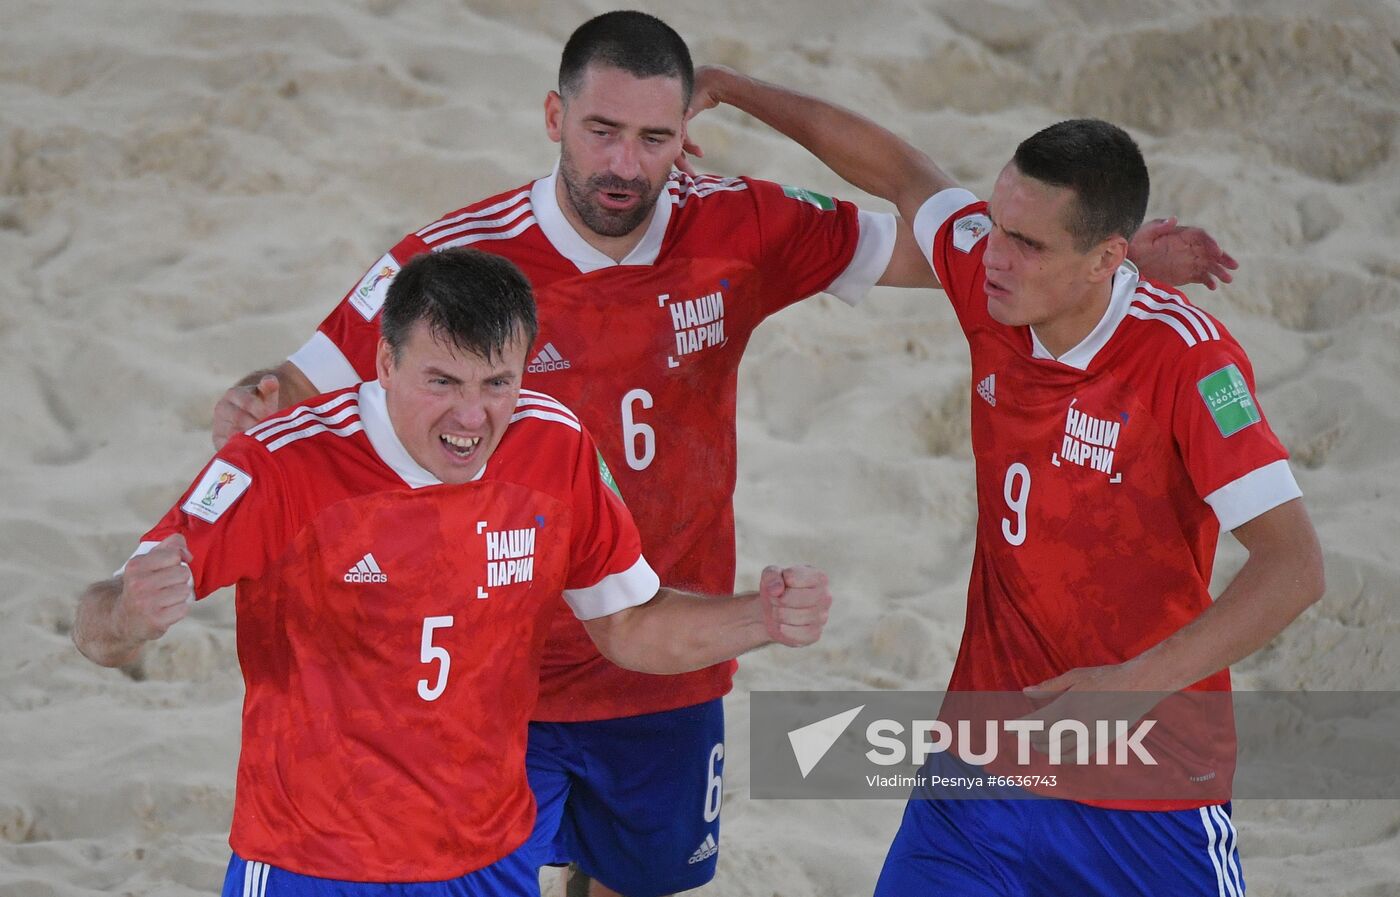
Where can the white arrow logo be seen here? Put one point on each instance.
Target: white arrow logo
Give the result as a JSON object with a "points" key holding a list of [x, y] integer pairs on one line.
{"points": [[811, 742]]}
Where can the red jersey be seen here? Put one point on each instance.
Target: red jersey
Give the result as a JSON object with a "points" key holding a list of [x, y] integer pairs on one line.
{"points": [[391, 627], [1103, 476], [647, 352]]}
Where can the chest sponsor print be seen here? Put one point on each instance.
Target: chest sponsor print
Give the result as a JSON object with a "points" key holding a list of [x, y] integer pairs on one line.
{"points": [[698, 323], [1091, 442], [510, 555]]}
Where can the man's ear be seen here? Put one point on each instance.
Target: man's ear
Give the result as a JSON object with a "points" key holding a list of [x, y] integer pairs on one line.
{"points": [[1108, 256], [554, 115], [384, 360]]}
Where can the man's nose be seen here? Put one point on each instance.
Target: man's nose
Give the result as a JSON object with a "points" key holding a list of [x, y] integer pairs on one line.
{"points": [[626, 160], [469, 413]]}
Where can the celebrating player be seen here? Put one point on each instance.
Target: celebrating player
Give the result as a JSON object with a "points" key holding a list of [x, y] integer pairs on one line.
{"points": [[399, 549], [650, 283], [1116, 433]]}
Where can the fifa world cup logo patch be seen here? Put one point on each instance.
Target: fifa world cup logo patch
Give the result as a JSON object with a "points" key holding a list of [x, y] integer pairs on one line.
{"points": [[218, 486]]}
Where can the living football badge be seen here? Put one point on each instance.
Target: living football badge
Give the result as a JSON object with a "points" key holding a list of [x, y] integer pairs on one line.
{"points": [[1090, 442]]}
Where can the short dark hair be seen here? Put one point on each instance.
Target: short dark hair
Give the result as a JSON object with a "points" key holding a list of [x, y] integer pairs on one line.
{"points": [[639, 44], [1104, 168], [470, 299]]}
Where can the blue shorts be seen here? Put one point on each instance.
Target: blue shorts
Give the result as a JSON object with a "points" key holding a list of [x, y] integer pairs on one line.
{"points": [[1042, 847], [633, 801], [513, 875]]}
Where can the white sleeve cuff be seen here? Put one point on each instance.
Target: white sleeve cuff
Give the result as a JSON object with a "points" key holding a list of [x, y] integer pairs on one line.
{"points": [[874, 248], [636, 585], [143, 548], [1262, 489], [323, 364], [936, 210]]}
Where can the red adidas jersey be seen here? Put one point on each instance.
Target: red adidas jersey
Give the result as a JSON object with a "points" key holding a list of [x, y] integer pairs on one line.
{"points": [[647, 352], [1103, 477], [391, 628]]}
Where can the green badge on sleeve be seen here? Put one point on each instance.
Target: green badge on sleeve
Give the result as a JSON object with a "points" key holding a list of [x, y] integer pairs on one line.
{"points": [[821, 201], [607, 476], [1227, 397]]}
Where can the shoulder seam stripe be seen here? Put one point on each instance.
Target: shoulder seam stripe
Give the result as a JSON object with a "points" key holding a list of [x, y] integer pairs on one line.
{"points": [[479, 213], [1143, 314], [271, 422], [1178, 300], [544, 402], [300, 420], [520, 228], [547, 415], [349, 429], [1172, 307], [484, 224]]}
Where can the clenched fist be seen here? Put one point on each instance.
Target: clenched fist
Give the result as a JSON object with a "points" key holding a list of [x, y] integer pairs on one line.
{"points": [[795, 604], [157, 590]]}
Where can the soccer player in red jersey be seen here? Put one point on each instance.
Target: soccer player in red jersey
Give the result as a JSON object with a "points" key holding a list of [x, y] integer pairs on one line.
{"points": [[1116, 433], [399, 550], [650, 283]]}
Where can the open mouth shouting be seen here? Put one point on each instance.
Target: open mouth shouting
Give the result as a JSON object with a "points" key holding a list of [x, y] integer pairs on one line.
{"points": [[459, 448]]}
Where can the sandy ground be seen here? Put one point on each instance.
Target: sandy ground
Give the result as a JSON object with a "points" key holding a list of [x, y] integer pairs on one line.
{"points": [[186, 188]]}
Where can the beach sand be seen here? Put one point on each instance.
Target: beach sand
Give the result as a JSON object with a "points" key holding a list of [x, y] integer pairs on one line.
{"points": [[186, 189]]}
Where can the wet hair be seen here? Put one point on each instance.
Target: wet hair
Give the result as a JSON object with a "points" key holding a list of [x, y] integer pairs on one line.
{"points": [[469, 299], [1104, 168], [639, 44]]}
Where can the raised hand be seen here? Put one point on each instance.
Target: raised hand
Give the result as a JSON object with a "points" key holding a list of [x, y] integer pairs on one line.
{"points": [[1166, 252], [243, 406]]}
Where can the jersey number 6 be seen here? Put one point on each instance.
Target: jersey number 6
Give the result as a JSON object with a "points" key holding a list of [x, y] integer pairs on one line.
{"points": [[430, 653], [637, 459]]}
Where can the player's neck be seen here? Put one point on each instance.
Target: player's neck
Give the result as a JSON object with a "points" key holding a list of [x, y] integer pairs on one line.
{"points": [[615, 248], [1065, 331]]}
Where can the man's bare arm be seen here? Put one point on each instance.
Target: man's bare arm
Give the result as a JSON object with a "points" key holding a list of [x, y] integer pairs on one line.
{"points": [[256, 396], [1282, 577], [116, 617], [863, 153], [882, 164], [677, 632]]}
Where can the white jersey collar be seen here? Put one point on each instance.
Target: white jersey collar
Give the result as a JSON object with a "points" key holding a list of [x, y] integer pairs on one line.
{"points": [[568, 243], [374, 415], [1125, 282]]}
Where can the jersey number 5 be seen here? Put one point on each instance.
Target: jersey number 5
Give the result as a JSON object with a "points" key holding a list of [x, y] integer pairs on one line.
{"points": [[1017, 491], [430, 653]]}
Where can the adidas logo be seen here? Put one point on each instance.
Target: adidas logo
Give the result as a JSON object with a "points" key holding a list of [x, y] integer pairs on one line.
{"points": [[987, 389], [549, 359], [366, 570], [707, 849]]}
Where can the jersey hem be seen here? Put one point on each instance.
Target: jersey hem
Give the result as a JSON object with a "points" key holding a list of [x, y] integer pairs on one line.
{"points": [[935, 212], [874, 248], [1256, 493], [569, 711]]}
